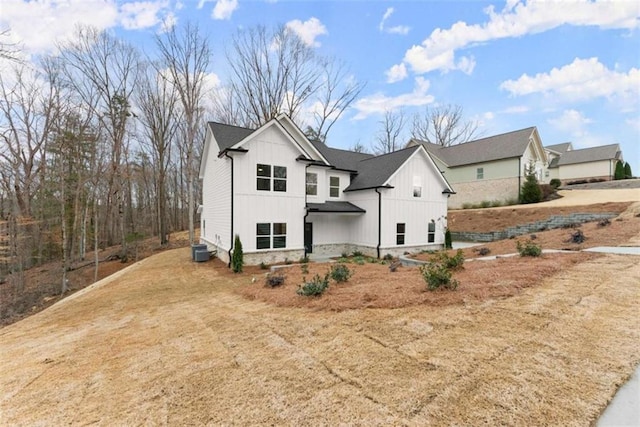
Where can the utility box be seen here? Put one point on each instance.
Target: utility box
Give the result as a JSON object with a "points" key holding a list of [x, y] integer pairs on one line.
{"points": [[201, 255], [195, 248]]}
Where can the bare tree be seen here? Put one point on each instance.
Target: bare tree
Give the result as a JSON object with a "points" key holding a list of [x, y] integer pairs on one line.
{"points": [[388, 137], [157, 100], [186, 56], [358, 147], [275, 72], [8, 49], [98, 64], [444, 125]]}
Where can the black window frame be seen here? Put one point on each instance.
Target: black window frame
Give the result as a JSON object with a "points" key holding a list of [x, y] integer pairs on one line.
{"points": [[480, 173], [271, 178], [401, 231], [431, 232], [271, 235]]}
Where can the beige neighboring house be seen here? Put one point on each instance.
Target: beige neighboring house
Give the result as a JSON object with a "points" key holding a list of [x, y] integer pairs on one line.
{"points": [[490, 169], [567, 164]]}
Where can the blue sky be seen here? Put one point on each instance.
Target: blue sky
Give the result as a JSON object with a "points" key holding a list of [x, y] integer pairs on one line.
{"points": [[571, 68]]}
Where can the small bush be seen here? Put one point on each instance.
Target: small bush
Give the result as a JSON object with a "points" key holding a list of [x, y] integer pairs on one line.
{"points": [[604, 222], [274, 279], [437, 276], [340, 273], [304, 268], [528, 249], [482, 251], [548, 192], [315, 287], [447, 239], [344, 255], [263, 266], [387, 257], [237, 258], [577, 237], [358, 260], [531, 192], [555, 183], [357, 254], [496, 203], [304, 259], [452, 262], [344, 260], [467, 205]]}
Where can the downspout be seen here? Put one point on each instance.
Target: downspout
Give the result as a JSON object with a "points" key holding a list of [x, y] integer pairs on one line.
{"points": [[226, 154], [379, 220], [306, 211], [519, 178]]}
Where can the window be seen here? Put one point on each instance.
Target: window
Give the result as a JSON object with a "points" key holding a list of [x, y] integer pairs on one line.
{"points": [[264, 177], [480, 173], [400, 233], [431, 232], [312, 184], [417, 186], [264, 235], [334, 186]]}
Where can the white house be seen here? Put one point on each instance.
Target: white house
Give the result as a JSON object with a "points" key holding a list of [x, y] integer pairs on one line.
{"points": [[286, 197]]}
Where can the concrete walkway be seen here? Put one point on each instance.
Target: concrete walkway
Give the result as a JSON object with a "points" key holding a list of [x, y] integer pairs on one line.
{"points": [[624, 408]]}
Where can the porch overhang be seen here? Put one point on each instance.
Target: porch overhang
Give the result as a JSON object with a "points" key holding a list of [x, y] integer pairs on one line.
{"points": [[334, 207]]}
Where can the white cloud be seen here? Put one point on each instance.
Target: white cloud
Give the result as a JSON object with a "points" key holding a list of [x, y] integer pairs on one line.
{"points": [[307, 30], [379, 103], [572, 122], [398, 29], [142, 14], [168, 22], [634, 123], [582, 79], [488, 115], [517, 19], [38, 25], [224, 9], [396, 73], [518, 109]]}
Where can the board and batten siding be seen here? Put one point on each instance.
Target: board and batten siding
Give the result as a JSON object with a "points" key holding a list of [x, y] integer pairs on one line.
{"points": [[215, 225], [252, 206], [400, 206]]}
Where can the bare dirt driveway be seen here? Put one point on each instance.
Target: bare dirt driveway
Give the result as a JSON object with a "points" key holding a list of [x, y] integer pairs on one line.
{"points": [[170, 342]]}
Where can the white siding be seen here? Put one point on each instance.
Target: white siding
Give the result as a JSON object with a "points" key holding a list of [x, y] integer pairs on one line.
{"points": [[400, 206], [271, 147], [600, 169]]}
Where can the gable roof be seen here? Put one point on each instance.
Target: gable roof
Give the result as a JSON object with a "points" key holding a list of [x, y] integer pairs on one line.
{"points": [[342, 159], [560, 148], [227, 135], [504, 146], [586, 155], [376, 170]]}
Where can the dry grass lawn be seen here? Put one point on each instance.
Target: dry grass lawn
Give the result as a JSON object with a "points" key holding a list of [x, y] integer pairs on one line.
{"points": [[168, 341]]}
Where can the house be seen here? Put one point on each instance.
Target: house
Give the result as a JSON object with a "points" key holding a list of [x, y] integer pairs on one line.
{"points": [[286, 197], [567, 164], [490, 169]]}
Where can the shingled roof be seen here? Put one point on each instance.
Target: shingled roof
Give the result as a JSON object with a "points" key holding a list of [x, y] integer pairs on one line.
{"points": [[376, 170], [586, 155], [227, 135], [504, 146], [560, 148], [342, 159]]}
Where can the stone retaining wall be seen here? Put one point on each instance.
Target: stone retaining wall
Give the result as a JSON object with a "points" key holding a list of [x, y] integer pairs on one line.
{"points": [[556, 221]]}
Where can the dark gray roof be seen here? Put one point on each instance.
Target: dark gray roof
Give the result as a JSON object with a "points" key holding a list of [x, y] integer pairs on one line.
{"points": [[342, 159], [504, 146], [586, 155], [559, 148], [338, 207], [227, 135], [375, 171]]}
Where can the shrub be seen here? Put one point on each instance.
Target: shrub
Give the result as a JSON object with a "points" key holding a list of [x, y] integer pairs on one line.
{"points": [[275, 279], [485, 204], [357, 254], [263, 266], [482, 251], [447, 239], [528, 249], [304, 268], [237, 259], [344, 255], [627, 171], [304, 259], [340, 273], [387, 257], [344, 260], [452, 262], [359, 260], [315, 287], [604, 222], [577, 237], [467, 205], [547, 191], [619, 171], [496, 203], [531, 192], [437, 275], [555, 183]]}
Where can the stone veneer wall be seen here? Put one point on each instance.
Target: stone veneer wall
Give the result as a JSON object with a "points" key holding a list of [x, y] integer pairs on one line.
{"points": [[483, 190], [556, 221]]}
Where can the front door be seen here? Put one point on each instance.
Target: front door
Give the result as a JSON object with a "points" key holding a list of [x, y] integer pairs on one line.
{"points": [[308, 237]]}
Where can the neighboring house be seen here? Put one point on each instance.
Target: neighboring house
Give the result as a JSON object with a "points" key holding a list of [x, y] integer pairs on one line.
{"points": [[567, 164], [285, 196], [490, 169]]}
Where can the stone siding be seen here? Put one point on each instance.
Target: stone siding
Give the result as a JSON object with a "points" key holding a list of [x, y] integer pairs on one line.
{"points": [[556, 221], [490, 190]]}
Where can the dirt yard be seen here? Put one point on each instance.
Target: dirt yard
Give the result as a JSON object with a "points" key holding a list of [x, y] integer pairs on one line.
{"points": [[167, 341]]}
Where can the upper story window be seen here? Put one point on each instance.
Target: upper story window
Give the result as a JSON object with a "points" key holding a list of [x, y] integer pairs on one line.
{"points": [[417, 186], [400, 229], [480, 173], [312, 184], [265, 176], [334, 186]]}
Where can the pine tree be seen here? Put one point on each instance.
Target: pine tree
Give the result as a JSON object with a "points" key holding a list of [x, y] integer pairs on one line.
{"points": [[627, 171], [447, 239], [619, 172], [237, 259], [531, 192]]}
